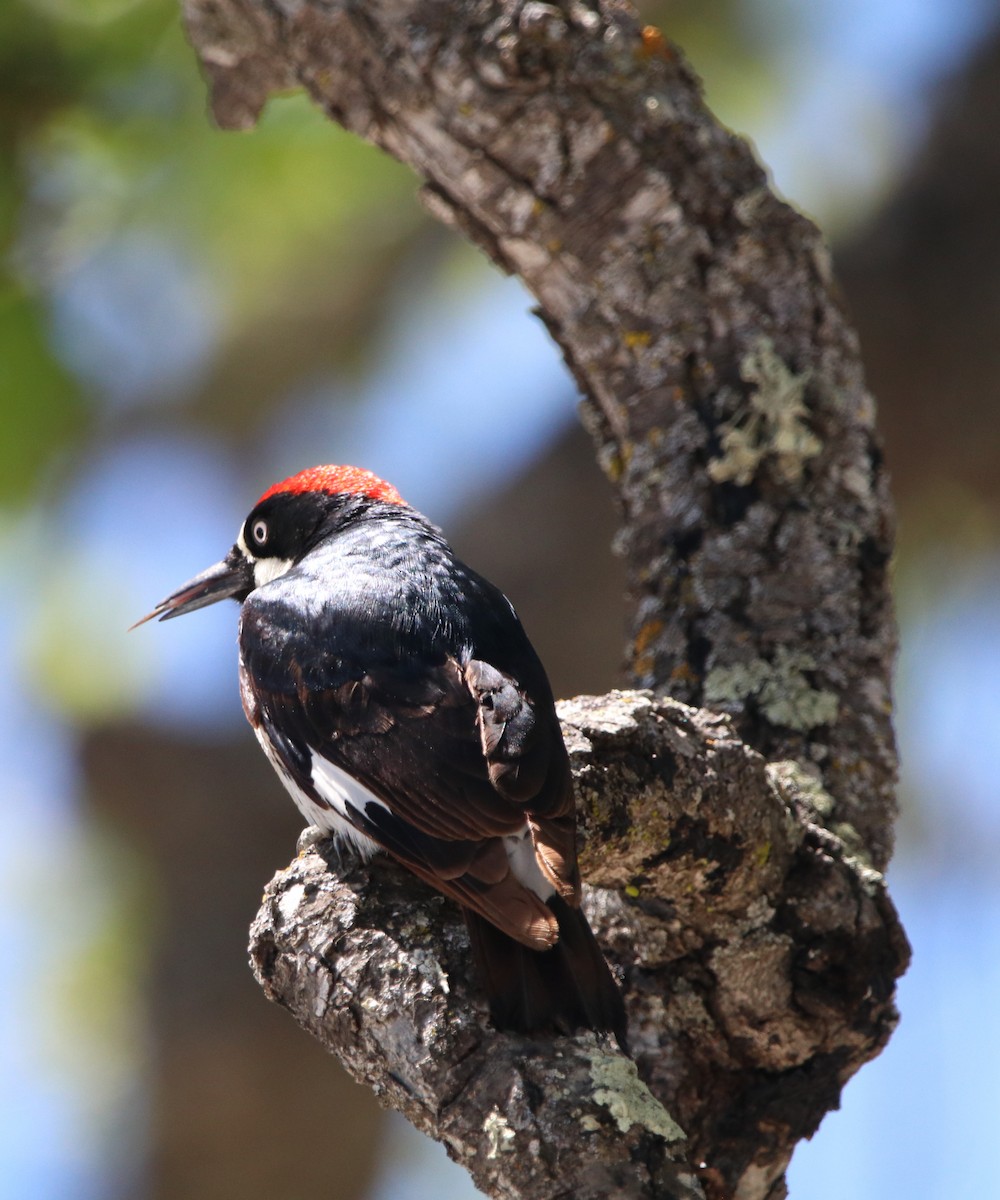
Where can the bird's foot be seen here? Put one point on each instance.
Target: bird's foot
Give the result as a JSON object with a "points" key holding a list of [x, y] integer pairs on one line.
{"points": [[311, 836]]}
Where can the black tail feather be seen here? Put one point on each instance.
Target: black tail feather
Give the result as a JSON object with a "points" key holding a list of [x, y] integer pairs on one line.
{"points": [[548, 991]]}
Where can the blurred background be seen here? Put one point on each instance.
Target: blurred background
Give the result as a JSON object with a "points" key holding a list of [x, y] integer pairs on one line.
{"points": [[187, 316]]}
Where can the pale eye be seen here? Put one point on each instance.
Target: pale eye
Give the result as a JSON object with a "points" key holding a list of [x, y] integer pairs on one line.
{"points": [[259, 532]]}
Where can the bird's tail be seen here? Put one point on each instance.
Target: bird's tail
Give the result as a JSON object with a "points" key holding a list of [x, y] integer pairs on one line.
{"points": [[559, 990]]}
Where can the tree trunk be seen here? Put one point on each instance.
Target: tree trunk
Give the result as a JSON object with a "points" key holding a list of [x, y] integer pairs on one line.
{"points": [[734, 847]]}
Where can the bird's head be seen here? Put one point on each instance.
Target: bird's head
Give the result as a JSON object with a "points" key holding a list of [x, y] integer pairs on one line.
{"points": [[286, 523]]}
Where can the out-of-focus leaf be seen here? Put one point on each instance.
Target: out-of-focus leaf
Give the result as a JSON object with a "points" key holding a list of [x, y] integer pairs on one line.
{"points": [[72, 649], [40, 404]]}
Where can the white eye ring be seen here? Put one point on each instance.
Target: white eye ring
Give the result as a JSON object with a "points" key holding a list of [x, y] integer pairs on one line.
{"points": [[259, 532]]}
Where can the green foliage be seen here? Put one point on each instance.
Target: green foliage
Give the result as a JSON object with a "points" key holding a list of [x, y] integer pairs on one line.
{"points": [[104, 133], [42, 412]]}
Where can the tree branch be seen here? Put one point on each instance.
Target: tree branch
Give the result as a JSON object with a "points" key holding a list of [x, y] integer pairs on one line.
{"points": [[760, 960], [723, 389]]}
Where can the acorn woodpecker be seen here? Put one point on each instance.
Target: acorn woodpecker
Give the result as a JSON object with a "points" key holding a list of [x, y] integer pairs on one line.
{"points": [[398, 698]]}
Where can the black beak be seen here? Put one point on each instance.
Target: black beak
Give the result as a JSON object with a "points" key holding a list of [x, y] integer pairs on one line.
{"points": [[231, 577]]}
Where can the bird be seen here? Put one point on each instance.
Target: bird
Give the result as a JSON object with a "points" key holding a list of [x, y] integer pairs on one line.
{"points": [[397, 696]]}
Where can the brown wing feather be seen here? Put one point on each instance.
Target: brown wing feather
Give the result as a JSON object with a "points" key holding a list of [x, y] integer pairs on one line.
{"points": [[555, 847], [527, 763], [461, 760], [507, 904]]}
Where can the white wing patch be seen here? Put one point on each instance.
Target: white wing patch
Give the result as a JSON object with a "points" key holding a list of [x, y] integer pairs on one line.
{"points": [[339, 789], [524, 863], [325, 780]]}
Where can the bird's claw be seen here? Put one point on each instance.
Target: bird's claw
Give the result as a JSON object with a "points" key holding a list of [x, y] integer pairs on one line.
{"points": [[311, 836]]}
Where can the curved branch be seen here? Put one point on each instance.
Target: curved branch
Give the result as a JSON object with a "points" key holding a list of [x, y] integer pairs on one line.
{"points": [[722, 381], [723, 389]]}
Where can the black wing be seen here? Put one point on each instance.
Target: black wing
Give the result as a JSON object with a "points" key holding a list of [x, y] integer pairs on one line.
{"points": [[460, 752]]}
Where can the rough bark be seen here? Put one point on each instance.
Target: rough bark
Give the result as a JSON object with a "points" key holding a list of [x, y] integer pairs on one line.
{"points": [[723, 388]]}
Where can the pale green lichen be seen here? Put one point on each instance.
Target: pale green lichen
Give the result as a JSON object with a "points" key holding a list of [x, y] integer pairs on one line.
{"points": [[872, 881], [499, 1135], [771, 425], [794, 781], [789, 699], [854, 844], [781, 688], [618, 1088], [737, 682]]}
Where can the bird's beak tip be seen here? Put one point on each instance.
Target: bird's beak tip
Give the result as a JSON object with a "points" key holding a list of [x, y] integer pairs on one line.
{"points": [[148, 617], [227, 578]]}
